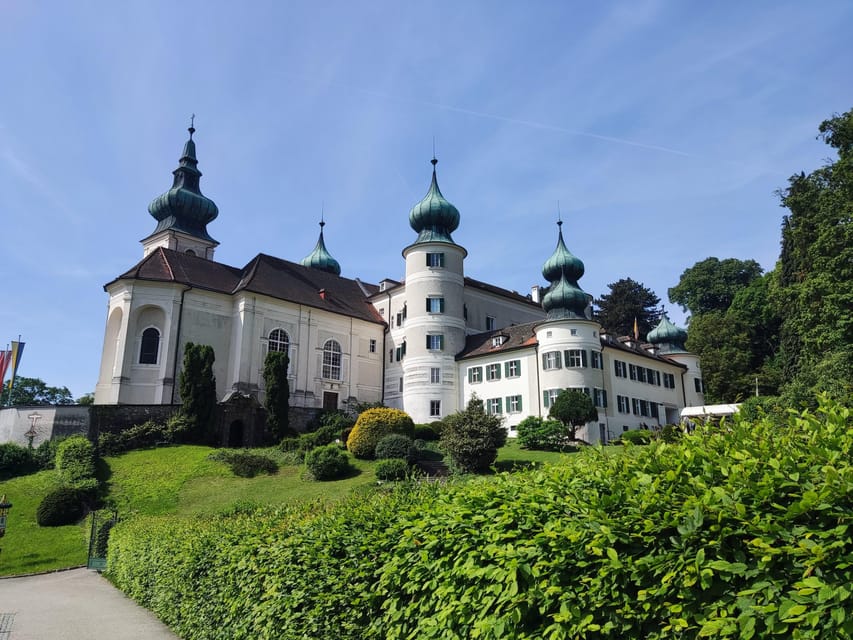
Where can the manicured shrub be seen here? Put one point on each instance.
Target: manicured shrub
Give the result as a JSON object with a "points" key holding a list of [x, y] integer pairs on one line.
{"points": [[245, 464], [327, 463], [75, 461], [427, 432], [277, 393], [394, 445], [739, 533], [64, 505], [471, 438], [636, 436], [392, 469], [45, 453], [374, 424], [16, 460], [543, 435]]}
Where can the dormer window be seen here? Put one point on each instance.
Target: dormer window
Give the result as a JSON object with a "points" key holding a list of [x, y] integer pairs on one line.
{"points": [[497, 341]]}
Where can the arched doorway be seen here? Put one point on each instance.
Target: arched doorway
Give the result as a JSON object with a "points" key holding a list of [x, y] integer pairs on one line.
{"points": [[235, 434]]}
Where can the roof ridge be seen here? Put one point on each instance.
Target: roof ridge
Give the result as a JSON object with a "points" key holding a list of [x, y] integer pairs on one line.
{"points": [[166, 260]]}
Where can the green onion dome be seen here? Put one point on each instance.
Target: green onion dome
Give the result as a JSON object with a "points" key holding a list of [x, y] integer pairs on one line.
{"points": [[565, 299], [320, 258], [434, 218], [668, 336], [183, 207]]}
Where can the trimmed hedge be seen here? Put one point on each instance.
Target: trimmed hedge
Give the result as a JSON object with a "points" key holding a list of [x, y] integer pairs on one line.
{"points": [[741, 531], [373, 425], [392, 469], [543, 435], [75, 462], [394, 445], [327, 463], [62, 506], [148, 434], [16, 460]]}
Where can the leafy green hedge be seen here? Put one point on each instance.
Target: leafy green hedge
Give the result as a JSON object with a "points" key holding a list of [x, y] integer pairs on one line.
{"points": [[75, 462], [373, 425], [742, 531]]}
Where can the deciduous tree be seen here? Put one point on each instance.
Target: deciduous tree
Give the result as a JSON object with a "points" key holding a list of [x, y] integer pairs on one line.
{"points": [[574, 409], [711, 285]]}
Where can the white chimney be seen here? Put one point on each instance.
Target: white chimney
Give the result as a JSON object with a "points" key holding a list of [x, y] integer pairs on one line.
{"points": [[534, 293]]}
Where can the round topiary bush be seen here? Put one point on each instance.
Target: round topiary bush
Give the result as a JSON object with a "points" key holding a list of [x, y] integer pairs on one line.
{"points": [[327, 463], [64, 505], [427, 432], [374, 424], [394, 445], [392, 469]]}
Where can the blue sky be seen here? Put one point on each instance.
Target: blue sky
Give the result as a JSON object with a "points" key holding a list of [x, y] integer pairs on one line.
{"points": [[662, 128]]}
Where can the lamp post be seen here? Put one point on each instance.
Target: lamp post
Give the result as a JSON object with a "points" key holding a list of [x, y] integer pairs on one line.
{"points": [[4, 509]]}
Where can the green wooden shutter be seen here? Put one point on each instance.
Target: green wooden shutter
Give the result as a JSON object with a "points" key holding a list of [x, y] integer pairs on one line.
{"points": [[441, 343], [500, 405], [470, 375], [441, 305], [545, 397], [604, 398], [519, 403], [583, 357], [543, 360]]}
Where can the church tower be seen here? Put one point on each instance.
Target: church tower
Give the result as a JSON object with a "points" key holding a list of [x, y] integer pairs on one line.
{"points": [[569, 342], [183, 213], [320, 258], [435, 319]]}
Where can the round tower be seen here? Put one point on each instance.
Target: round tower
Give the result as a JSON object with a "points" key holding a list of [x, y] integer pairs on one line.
{"points": [[569, 339], [669, 341], [435, 319], [183, 212]]}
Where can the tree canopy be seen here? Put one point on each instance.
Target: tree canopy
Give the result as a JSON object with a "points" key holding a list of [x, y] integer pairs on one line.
{"points": [[628, 300], [574, 409], [711, 285], [34, 391]]}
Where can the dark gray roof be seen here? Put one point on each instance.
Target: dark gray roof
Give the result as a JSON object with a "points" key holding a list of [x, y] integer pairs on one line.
{"points": [[265, 275]]}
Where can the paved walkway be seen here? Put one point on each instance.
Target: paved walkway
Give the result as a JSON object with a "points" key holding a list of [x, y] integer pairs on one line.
{"points": [[73, 605]]}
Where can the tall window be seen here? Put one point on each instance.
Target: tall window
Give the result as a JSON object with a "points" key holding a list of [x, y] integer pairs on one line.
{"points": [[513, 404], [493, 372], [551, 360], [599, 397], [278, 340], [491, 323], [372, 347], [332, 360], [494, 406], [669, 381], [512, 369], [475, 375], [549, 395], [435, 342], [435, 408], [622, 404], [576, 358], [632, 371], [435, 375], [150, 347], [597, 360], [619, 368], [435, 305], [435, 259]]}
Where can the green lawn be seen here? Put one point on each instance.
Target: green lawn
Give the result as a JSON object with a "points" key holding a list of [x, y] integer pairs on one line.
{"points": [[29, 548], [179, 479]]}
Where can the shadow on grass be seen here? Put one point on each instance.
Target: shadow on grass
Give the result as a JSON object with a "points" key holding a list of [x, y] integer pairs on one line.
{"points": [[352, 472]]}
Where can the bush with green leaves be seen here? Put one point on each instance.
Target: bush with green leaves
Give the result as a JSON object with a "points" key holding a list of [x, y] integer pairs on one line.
{"points": [[64, 505], [329, 462], [540, 434], [471, 438], [739, 532], [429, 432], [373, 425], [636, 436], [45, 454], [390, 469], [148, 434], [16, 460], [671, 433], [394, 445], [75, 461], [245, 464]]}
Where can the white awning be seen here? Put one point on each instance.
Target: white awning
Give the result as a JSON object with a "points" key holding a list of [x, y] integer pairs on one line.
{"points": [[709, 410]]}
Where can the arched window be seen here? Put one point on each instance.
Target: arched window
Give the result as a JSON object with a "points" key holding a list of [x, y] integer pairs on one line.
{"points": [[332, 360], [190, 252], [150, 347], [279, 340]]}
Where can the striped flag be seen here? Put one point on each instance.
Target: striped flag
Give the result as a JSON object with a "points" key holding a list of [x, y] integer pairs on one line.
{"points": [[5, 359], [636, 330], [17, 351]]}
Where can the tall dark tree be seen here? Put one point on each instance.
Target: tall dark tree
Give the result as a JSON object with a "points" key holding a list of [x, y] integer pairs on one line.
{"points": [[711, 285], [277, 389], [197, 386], [34, 391], [574, 409], [627, 300], [816, 267]]}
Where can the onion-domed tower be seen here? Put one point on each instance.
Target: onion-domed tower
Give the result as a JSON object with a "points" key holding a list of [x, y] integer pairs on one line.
{"points": [[320, 258], [183, 213], [435, 318], [569, 343], [669, 341]]}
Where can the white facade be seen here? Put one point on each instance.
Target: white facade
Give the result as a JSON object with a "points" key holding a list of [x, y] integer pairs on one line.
{"points": [[424, 345]]}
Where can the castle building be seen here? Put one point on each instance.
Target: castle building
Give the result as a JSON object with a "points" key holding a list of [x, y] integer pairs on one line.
{"points": [[424, 345]]}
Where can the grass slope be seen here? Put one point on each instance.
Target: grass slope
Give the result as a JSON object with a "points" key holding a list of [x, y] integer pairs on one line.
{"points": [[182, 480]]}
